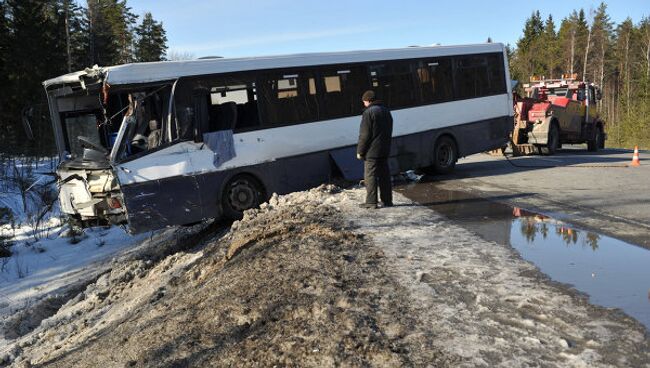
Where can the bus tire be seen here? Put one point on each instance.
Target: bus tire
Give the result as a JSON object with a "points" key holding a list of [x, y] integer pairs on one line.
{"points": [[445, 155], [242, 192]]}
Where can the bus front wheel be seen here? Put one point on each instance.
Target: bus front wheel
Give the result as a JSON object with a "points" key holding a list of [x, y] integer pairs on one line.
{"points": [[243, 192]]}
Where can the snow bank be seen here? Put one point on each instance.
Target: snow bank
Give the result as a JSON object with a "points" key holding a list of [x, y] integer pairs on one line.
{"points": [[47, 261]]}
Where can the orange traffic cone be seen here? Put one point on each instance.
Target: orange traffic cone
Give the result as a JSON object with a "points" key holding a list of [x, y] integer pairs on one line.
{"points": [[635, 157]]}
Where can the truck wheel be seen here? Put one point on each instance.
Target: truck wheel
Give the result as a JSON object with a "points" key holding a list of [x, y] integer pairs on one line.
{"points": [[596, 143], [445, 155], [241, 193], [601, 142], [553, 142]]}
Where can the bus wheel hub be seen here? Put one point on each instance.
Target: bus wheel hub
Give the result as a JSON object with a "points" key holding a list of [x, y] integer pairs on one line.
{"points": [[242, 196]]}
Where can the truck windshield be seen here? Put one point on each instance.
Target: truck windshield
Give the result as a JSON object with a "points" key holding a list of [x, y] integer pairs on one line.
{"points": [[560, 92]]}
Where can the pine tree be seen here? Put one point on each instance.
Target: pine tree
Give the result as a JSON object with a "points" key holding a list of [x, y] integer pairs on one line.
{"points": [[33, 57], [110, 26], [71, 34], [549, 49], [4, 46], [41, 39], [526, 61], [151, 44], [533, 28], [581, 36], [567, 40], [4, 51], [623, 44], [601, 37]]}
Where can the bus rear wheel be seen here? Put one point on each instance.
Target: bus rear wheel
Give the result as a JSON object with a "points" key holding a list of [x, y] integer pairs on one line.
{"points": [[243, 192], [445, 155]]}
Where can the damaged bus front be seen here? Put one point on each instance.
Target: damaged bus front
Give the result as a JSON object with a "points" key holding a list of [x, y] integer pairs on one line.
{"points": [[96, 127]]}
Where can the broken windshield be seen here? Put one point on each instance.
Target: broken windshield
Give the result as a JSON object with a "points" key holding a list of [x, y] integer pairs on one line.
{"points": [[147, 119], [81, 126]]}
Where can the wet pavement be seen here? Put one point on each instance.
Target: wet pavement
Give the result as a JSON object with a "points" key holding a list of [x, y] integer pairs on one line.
{"points": [[612, 272]]}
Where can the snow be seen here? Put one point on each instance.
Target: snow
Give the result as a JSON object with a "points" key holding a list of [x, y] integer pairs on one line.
{"points": [[38, 268], [46, 259]]}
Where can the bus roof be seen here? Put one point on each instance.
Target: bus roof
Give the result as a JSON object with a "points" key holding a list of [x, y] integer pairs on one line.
{"points": [[170, 70]]}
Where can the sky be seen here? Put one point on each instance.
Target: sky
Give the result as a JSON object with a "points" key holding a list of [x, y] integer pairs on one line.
{"points": [[234, 28]]}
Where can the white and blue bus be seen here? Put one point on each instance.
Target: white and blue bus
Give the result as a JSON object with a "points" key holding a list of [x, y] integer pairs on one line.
{"points": [[176, 142]]}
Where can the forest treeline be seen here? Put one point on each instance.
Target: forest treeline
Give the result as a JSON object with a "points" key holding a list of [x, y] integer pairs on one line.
{"points": [[42, 39], [613, 56]]}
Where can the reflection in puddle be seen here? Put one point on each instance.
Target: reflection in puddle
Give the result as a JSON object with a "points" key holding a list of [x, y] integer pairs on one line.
{"points": [[533, 224], [612, 272]]}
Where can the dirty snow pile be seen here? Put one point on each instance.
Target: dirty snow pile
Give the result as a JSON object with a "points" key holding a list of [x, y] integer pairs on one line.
{"points": [[287, 285], [310, 279]]}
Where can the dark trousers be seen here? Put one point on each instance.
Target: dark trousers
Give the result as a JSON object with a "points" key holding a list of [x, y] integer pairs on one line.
{"points": [[376, 173]]}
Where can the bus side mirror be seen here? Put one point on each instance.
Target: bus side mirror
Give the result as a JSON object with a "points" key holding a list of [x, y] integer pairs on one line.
{"points": [[599, 94], [200, 99]]}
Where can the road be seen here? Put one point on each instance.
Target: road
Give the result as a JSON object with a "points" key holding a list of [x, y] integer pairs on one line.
{"points": [[596, 191]]}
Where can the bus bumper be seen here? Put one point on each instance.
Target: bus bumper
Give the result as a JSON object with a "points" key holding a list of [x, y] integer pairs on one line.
{"points": [[91, 196]]}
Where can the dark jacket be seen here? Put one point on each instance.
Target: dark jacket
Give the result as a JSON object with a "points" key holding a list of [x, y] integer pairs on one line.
{"points": [[375, 132]]}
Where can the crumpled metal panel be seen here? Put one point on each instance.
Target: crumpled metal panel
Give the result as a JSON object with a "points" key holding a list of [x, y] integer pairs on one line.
{"points": [[159, 203], [346, 160]]}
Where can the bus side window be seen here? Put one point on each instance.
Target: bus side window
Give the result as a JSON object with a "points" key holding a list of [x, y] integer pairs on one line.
{"points": [[395, 83], [288, 98], [496, 75], [435, 81], [479, 75], [471, 75], [342, 92], [232, 106]]}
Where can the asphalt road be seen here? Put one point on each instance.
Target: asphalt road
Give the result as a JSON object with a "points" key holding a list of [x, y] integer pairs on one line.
{"points": [[597, 191]]}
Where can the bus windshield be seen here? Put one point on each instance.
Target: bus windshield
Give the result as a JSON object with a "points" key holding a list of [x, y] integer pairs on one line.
{"points": [[81, 126]]}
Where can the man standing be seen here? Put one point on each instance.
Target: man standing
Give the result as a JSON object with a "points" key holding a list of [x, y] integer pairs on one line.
{"points": [[375, 136]]}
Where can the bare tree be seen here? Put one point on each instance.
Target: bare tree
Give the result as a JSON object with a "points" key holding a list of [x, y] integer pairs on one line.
{"points": [[176, 55], [645, 27], [590, 23]]}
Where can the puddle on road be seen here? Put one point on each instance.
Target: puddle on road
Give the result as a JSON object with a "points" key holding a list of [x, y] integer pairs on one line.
{"points": [[612, 272]]}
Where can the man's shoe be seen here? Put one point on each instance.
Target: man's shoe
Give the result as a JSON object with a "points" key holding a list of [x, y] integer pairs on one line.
{"points": [[368, 205], [390, 204]]}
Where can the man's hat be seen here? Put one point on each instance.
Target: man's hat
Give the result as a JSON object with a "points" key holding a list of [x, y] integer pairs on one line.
{"points": [[368, 95]]}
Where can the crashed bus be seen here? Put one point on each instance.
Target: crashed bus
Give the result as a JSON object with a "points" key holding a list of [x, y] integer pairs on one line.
{"points": [[165, 143]]}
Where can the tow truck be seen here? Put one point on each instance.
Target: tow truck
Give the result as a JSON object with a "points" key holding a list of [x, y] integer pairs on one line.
{"points": [[554, 112]]}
